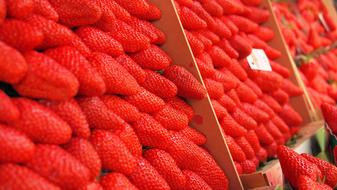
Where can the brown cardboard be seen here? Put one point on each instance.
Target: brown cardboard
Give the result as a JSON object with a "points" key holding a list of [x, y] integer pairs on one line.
{"points": [[206, 122]]}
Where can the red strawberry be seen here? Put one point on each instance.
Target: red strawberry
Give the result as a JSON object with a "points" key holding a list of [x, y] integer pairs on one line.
{"points": [[190, 20], [130, 139], [241, 46], [131, 40], [328, 170], [150, 132], [59, 166], [220, 111], [221, 29], [194, 182], [253, 140], [8, 111], [110, 11], [145, 101], [116, 78], [231, 7], [264, 33], [262, 155], [231, 127], [40, 124], [256, 113], [246, 147], [228, 80], [206, 70], [267, 81], [207, 42], [291, 89], [290, 116], [196, 45], [235, 150], [121, 107], [254, 87], [265, 137], [226, 46], [215, 89], [257, 14], [188, 86], [99, 116], [238, 168], [154, 13], [232, 27], [197, 8], [278, 68], [71, 113], [275, 132], [211, 36], [248, 166], [132, 67], [116, 181], [330, 113], [15, 146], [294, 165], [245, 93], [45, 9], [264, 107], [171, 118], [213, 8], [92, 186], [280, 96], [252, 2], [84, 151], [113, 153], [219, 57], [187, 3], [234, 96], [98, 40], [137, 7], [3, 11], [243, 119], [227, 103], [244, 24], [91, 83], [166, 167], [193, 135], [281, 125], [272, 103], [159, 85], [271, 149], [181, 106], [20, 34], [21, 178], [77, 13], [152, 58], [19, 9], [306, 183]]}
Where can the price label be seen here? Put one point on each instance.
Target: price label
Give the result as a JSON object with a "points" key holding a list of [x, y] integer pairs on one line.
{"points": [[258, 60]]}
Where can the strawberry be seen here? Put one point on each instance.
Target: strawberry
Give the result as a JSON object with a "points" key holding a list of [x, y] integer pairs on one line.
{"points": [[132, 67], [19, 9], [72, 14], [267, 81], [262, 155], [280, 96], [329, 113], [281, 125], [193, 135], [116, 181], [272, 103], [226, 46], [264, 33], [294, 165], [252, 2], [130, 139], [99, 41], [194, 182], [137, 7], [253, 140], [231, 7], [238, 168], [228, 80], [159, 85], [221, 29], [91, 82], [171, 118], [243, 119], [21, 178], [147, 177], [84, 151], [257, 90], [211, 36], [197, 8], [121, 107], [181, 106], [328, 170], [245, 93], [71, 113], [264, 107], [232, 27], [231, 127], [131, 40], [206, 70], [290, 116], [215, 89], [272, 53], [265, 137], [188, 86], [113, 153], [257, 14], [190, 20], [15, 146], [110, 11], [241, 46], [306, 183], [59, 166], [207, 42], [213, 8], [257, 42], [150, 132], [116, 78], [291, 89], [256, 113], [220, 111], [45, 9], [219, 57], [235, 150], [40, 124], [246, 147], [234, 96], [271, 149], [145, 101], [92, 186], [187, 3], [196, 45], [244, 24], [275, 132], [3, 11], [8, 111], [166, 167], [227, 103], [20, 34], [248, 166], [154, 13]]}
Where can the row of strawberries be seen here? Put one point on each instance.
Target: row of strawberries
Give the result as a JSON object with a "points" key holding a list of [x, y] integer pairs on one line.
{"points": [[252, 106], [100, 105], [307, 26]]}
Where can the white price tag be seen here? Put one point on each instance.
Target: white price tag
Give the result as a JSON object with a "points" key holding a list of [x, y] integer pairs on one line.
{"points": [[258, 60]]}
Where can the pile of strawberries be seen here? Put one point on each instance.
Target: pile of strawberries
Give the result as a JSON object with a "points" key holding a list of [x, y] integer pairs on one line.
{"points": [[99, 105], [305, 172], [308, 29], [252, 106]]}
